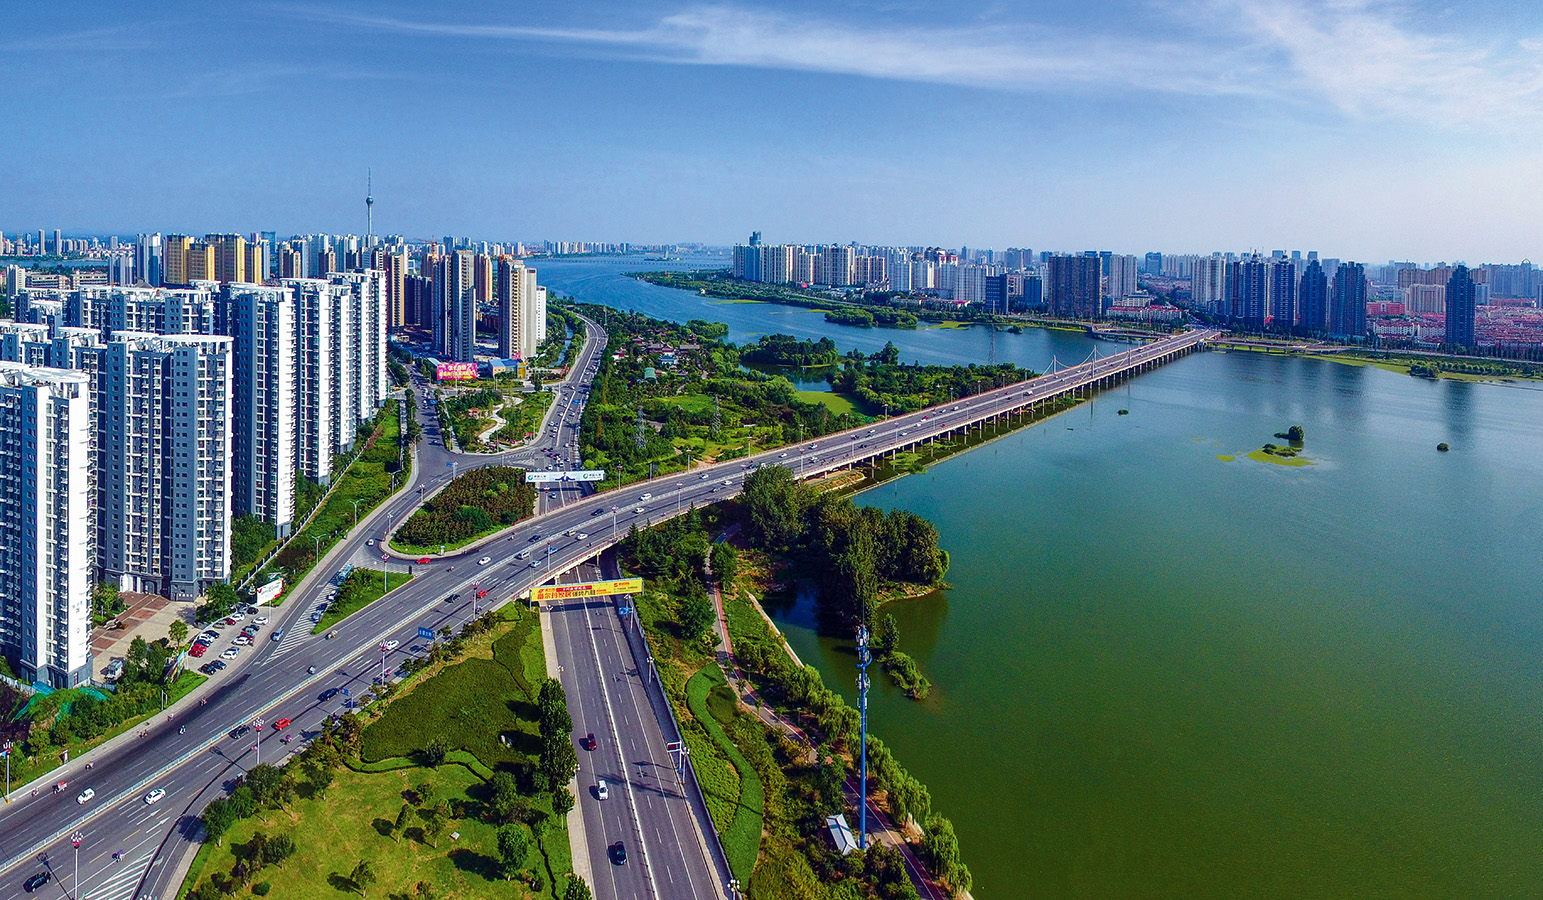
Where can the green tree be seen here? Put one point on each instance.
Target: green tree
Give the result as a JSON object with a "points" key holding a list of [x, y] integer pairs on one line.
{"points": [[942, 848], [505, 804], [577, 889], [725, 562], [218, 818], [434, 825], [552, 704], [177, 632], [426, 792], [1295, 434], [363, 876], [696, 616], [265, 782], [279, 848], [887, 635], [774, 503], [403, 819], [513, 844], [562, 800], [438, 749]]}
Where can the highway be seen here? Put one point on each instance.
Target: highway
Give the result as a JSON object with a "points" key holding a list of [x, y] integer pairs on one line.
{"points": [[648, 810], [273, 681]]}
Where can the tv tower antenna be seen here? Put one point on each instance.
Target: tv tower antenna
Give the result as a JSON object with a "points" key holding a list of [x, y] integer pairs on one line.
{"points": [[864, 657], [369, 203]]}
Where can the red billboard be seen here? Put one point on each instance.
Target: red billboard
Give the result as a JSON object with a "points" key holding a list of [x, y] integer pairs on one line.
{"points": [[455, 371]]}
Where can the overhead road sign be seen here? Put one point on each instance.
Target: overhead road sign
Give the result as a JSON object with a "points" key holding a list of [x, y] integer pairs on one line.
{"points": [[581, 475], [587, 589]]}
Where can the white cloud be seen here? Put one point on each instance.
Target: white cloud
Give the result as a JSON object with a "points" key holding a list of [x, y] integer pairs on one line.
{"points": [[1360, 58]]}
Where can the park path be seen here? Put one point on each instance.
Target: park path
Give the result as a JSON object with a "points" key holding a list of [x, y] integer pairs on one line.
{"points": [[497, 424]]}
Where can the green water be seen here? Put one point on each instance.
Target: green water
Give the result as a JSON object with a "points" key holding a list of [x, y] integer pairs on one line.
{"points": [[1162, 675]]}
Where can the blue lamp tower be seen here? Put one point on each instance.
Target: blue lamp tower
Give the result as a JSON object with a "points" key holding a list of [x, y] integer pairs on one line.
{"points": [[863, 659]]}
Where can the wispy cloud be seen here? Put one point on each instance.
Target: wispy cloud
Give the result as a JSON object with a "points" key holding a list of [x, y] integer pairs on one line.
{"points": [[1358, 58], [121, 37]]}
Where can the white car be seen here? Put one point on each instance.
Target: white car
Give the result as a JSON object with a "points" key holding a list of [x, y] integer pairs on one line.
{"points": [[535, 564], [639, 511], [484, 560], [370, 542], [86, 795], [230, 652], [392, 645], [646, 497], [243, 641], [728, 481], [583, 535], [262, 620], [601, 791], [155, 796]]}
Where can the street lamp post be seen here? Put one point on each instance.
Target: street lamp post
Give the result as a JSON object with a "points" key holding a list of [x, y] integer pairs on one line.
{"points": [[613, 522], [257, 745], [317, 539], [356, 510], [679, 489], [77, 839], [5, 749]]}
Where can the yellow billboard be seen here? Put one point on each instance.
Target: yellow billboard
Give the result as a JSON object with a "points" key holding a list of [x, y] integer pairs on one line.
{"points": [[587, 589]]}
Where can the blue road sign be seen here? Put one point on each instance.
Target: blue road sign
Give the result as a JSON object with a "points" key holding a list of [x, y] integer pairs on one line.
{"points": [[426, 634]]}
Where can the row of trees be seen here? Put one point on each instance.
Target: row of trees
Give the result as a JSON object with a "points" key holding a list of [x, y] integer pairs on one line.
{"points": [[675, 556], [787, 350]]}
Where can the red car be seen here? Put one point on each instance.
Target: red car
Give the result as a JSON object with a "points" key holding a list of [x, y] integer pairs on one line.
{"points": [[280, 725], [198, 650], [588, 743], [424, 561]]}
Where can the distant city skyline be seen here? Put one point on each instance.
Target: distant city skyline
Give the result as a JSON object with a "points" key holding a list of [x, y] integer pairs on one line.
{"points": [[1367, 130]]}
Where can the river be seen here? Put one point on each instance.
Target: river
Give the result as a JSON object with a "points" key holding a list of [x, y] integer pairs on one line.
{"points": [[1166, 670]]}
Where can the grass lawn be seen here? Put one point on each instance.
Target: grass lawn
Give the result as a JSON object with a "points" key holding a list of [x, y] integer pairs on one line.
{"points": [[473, 702], [836, 403], [1261, 456], [334, 833], [692, 403], [367, 591]]}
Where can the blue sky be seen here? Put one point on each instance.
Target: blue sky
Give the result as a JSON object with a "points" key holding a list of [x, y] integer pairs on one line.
{"points": [[1360, 128]]}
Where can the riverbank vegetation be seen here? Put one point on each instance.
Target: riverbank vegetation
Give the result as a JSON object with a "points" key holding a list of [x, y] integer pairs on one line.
{"points": [[667, 396], [474, 505], [774, 763], [414, 795]]}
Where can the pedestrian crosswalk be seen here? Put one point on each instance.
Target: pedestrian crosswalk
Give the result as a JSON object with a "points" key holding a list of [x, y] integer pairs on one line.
{"points": [[298, 633], [120, 884]]}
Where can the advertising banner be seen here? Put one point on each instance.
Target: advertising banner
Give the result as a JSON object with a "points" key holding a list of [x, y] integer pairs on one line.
{"points": [[269, 592], [588, 589], [581, 475], [455, 371]]}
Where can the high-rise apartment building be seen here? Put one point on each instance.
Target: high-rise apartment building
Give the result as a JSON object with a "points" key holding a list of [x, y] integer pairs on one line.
{"points": [[1284, 281], [1425, 299], [454, 307], [1347, 301], [165, 463], [47, 565], [341, 373], [261, 321], [1313, 299], [520, 316], [1461, 308], [1121, 276], [836, 266], [1075, 286], [200, 262], [230, 258], [175, 250], [1248, 288], [1208, 284]]}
